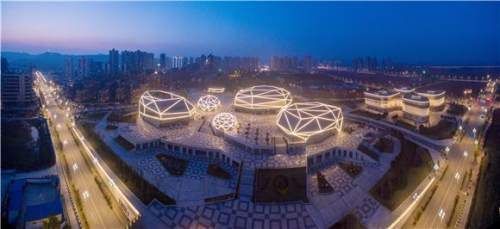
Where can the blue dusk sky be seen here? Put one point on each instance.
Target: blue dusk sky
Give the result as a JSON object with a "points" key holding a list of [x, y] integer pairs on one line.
{"points": [[461, 33]]}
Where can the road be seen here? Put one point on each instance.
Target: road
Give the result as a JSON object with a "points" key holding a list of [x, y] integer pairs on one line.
{"points": [[460, 160], [95, 208]]}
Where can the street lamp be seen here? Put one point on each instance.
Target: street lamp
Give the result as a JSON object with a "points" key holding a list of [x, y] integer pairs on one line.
{"points": [[460, 128]]}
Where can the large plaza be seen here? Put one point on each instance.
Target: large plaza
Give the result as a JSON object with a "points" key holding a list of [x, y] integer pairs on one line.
{"points": [[214, 132]]}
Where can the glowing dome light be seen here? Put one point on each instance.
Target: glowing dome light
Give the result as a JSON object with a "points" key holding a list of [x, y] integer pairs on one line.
{"points": [[208, 103], [303, 120], [262, 97], [224, 121], [162, 106]]}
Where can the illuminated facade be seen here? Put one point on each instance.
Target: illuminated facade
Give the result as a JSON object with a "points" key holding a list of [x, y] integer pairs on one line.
{"points": [[308, 120], [382, 100], [404, 90], [262, 98], [161, 107], [216, 90], [224, 122], [415, 108], [436, 98], [208, 103]]}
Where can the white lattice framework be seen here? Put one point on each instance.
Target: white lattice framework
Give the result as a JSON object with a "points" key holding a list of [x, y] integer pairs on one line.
{"points": [[164, 106], [208, 103], [262, 97], [224, 122], [304, 120]]}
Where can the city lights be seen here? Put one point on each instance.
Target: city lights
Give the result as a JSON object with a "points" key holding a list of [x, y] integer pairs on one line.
{"points": [[304, 120], [224, 122], [164, 106], [208, 103], [262, 97]]}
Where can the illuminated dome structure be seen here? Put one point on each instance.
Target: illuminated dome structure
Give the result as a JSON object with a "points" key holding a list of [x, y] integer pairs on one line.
{"points": [[208, 103], [309, 121], [224, 122], [161, 107], [262, 98]]}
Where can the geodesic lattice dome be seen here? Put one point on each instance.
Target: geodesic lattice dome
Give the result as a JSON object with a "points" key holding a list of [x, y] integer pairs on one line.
{"points": [[262, 97], [304, 120], [208, 103], [164, 106], [224, 121]]}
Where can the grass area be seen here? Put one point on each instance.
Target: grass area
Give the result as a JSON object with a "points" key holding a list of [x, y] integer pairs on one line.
{"points": [[124, 143], [369, 114], [443, 130], [280, 185], [407, 171], [456, 109], [351, 169], [118, 116], [350, 221], [484, 209], [144, 190], [20, 151], [384, 145], [175, 166], [95, 116]]}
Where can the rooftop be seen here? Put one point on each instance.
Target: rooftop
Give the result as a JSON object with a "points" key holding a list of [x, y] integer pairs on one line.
{"points": [[33, 199]]}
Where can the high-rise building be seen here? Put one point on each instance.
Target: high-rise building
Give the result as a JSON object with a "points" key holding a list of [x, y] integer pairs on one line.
{"points": [[18, 96], [5, 65], [177, 62], [114, 65], [137, 62], [69, 68], [84, 67], [163, 62]]}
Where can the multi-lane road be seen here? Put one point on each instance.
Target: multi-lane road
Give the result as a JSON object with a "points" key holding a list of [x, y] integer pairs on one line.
{"points": [[95, 207], [460, 161]]}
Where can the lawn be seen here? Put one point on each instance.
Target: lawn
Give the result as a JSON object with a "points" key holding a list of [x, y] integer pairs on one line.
{"points": [[369, 114], [384, 144], [280, 185], [18, 149], [96, 116], [407, 170], [456, 109], [117, 116], [351, 169], [124, 143], [443, 130]]}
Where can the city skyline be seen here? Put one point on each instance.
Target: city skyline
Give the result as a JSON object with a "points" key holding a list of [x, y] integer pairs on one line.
{"points": [[400, 31]]}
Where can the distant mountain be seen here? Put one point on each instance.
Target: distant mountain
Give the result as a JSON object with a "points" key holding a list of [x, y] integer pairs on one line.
{"points": [[44, 61]]}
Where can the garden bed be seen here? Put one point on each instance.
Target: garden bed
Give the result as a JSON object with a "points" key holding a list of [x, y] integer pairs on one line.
{"points": [[351, 169], [280, 185], [323, 186], [217, 171], [174, 166], [124, 143]]}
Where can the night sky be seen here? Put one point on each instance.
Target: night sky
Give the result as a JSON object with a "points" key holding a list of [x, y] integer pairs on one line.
{"points": [[461, 33]]}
